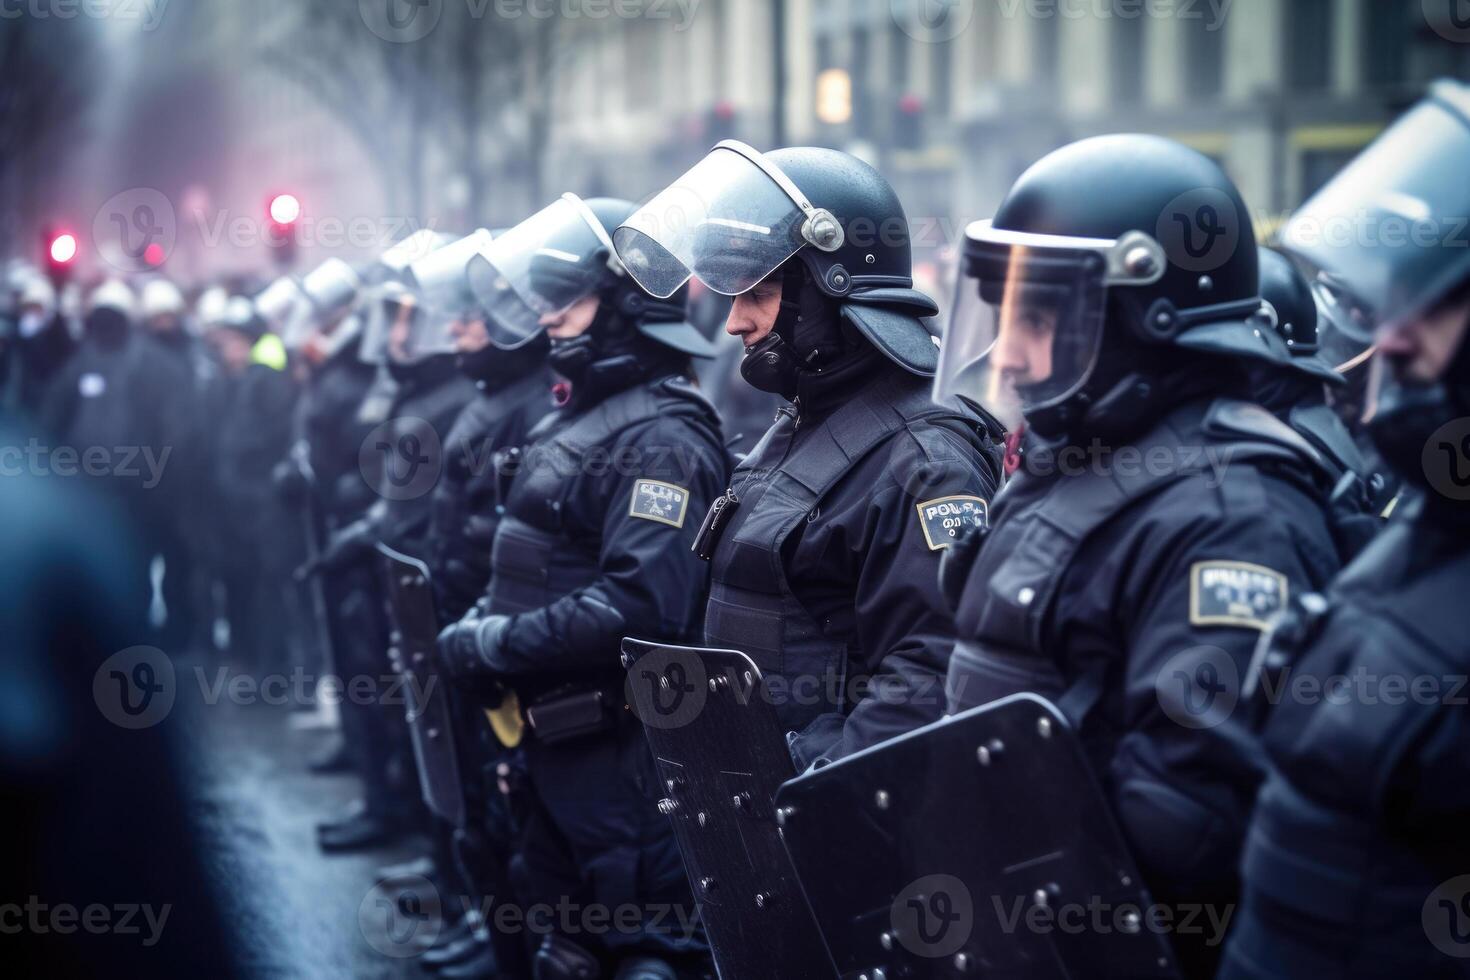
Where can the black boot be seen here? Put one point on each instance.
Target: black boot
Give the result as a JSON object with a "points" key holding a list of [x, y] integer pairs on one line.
{"points": [[361, 828]]}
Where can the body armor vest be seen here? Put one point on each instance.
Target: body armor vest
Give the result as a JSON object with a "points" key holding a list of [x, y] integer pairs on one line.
{"points": [[535, 559], [1039, 524], [780, 485], [1330, 877]]}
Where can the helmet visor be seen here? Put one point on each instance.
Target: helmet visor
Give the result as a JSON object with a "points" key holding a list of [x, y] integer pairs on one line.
{"points": [[1344, 324], [1026, 329], [441, 278], [1390, 222], [286, 310], [538, 269], [727, 221], [390, 327]]}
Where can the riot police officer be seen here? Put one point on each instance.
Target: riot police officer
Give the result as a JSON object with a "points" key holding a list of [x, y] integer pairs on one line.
{"points": [[405, 460], [1356, 860], [1301, 397], [599, 513], [824, 548], [1156, 522]]}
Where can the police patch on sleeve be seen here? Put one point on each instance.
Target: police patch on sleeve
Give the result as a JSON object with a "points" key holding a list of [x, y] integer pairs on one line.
{"points": [[654, 500], [944, 517], [1234, 593]]}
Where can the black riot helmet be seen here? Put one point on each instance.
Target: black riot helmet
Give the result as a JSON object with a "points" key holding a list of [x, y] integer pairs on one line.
{"points": [[826, 222], [1388, 231], [562, 255], [1111, 262], [1290, 309]]}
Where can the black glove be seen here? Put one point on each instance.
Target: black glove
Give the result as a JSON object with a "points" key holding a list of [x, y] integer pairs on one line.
{"points": [[474, 646]]}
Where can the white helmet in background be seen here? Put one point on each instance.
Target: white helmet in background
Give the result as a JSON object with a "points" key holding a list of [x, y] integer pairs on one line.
{"points": [[161, 298], [114, 294]]}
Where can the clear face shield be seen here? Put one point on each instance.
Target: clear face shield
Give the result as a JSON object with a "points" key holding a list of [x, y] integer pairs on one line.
{"points": [[286, 311], [730, 221], [447, 304], [1344, 324], [1028, 316], [388, 319], [539, 269], [1389, 225]]}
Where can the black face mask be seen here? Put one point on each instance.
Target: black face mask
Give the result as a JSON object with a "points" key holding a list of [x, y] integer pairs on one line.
{"points": [[805, 338], [1407, 417], [494, 368]]}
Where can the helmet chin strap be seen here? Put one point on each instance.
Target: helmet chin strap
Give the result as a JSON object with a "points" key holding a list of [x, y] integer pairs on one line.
{"points": [[779, 361]]}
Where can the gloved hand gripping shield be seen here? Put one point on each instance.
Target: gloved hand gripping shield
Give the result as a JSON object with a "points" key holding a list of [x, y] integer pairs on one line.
{"points": [[541, 267], [730, 221], [1029, 312]]}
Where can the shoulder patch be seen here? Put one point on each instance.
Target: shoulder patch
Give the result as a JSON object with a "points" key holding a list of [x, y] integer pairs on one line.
{"points": [[943, 517], [654, 500], [1235, 593]]}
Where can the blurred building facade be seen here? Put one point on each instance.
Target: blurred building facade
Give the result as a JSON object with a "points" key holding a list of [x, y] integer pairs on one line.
{"points": [[952, 99]]}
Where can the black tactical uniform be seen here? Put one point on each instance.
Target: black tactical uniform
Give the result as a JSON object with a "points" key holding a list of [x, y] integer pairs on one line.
{"points": [[1357, 859], [1300, 396], [463, 515], [1157, 522], [824, 550], [598, 515]]}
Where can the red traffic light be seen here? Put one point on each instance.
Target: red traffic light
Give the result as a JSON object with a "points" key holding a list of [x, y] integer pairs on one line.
{"points": [[285, 209], [63, 248]]}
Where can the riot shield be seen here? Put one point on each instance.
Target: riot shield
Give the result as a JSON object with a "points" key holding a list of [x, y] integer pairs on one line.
{"points": [[977, 846], [430, 720], [721, 755]]}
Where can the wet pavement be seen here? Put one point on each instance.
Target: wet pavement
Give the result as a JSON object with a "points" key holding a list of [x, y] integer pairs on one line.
{"points": [[294, 911]]}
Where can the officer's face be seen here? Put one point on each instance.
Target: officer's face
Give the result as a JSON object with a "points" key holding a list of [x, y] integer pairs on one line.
{"points": [[572, 321], [1024, 344], [753, 314], [469, 334], [234, 349], [1422, 348]]}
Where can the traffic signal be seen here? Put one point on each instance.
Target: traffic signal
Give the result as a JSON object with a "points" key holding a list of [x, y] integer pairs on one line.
{"points": [[60, 251], [908, 123], [283, 211]]}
